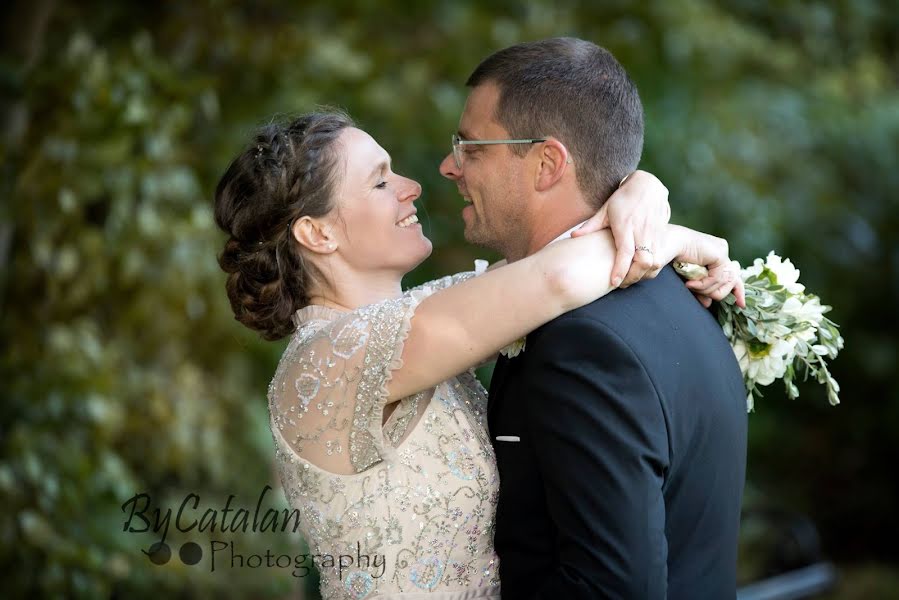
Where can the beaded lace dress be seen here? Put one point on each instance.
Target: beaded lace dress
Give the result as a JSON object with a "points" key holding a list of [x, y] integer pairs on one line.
{"points": [[408, 501]]}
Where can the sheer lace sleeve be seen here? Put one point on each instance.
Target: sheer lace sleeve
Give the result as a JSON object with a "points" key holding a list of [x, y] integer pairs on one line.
{"points": [[328, 393]]}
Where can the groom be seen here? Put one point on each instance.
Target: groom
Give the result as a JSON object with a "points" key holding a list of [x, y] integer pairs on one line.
{"points": [[620, 431]]}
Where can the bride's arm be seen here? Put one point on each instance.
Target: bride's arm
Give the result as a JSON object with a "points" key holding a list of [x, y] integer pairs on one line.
{"points": [[465, 324], [462, 325]]}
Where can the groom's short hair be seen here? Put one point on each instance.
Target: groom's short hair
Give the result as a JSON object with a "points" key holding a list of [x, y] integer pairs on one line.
{"points": [[577, 92]]}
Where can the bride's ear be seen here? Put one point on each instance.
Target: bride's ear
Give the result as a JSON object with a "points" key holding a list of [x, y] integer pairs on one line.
{"points": [[314, 234]]}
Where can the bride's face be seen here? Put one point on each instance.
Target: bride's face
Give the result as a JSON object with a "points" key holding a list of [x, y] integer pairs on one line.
{"points": [[376, 224]]}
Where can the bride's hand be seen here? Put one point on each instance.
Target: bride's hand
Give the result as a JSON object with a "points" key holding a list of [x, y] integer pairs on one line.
{"points": [[723, 279], [711, 252], [637, 214]]}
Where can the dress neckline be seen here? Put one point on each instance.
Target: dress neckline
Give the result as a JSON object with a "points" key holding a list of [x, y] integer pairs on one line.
{"points": [[317, 312]]}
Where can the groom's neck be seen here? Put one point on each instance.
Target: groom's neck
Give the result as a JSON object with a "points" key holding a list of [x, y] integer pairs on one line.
{"points": [[547, 227]]}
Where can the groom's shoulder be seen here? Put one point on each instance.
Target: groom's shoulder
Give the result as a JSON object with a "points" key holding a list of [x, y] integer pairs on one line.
{"points": [[633, 311], [627, 305]]}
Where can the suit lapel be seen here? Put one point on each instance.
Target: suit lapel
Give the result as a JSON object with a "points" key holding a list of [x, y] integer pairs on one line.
{"points": [[494, 399]]}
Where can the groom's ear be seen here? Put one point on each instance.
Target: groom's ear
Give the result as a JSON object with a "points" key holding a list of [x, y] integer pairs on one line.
{"points": [[553, 162]]}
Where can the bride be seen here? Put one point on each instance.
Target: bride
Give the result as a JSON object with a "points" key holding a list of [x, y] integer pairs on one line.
{"points": [[378, 421]]}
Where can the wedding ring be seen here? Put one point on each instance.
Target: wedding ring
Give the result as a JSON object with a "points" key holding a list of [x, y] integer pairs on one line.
{"points": [[642, 249]]}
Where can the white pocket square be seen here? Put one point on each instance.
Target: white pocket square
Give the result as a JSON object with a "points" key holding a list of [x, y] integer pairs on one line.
{"points": [[508, 438]]}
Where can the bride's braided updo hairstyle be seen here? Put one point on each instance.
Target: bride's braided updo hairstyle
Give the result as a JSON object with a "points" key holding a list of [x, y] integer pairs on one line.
{"points": [[289, 171]]}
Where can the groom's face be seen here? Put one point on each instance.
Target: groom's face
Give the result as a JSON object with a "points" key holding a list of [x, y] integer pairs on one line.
{"points": [[491, 178]]}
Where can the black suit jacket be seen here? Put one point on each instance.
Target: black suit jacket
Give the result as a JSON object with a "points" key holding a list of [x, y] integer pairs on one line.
{"points": [[628, 476]]}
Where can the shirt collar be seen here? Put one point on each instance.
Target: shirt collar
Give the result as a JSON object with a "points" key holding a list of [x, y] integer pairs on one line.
{"points": [[567, 234]]}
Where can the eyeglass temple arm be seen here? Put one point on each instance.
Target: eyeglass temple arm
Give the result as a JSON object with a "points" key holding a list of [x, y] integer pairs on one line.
{"points": [[479, 142]]}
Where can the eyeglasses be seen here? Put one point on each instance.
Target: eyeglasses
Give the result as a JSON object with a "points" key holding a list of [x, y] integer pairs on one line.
{"points": [[459, 142]]}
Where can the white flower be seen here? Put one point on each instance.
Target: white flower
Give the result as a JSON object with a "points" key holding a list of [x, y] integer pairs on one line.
{"points": [[808, 315], [741, 351], [515, 348], [810, 310], [793, 306], [787, 275], [755, 270], [771, 363]]}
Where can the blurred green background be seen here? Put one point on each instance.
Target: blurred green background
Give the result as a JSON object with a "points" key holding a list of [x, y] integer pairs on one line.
{"points": [[773, 124]]}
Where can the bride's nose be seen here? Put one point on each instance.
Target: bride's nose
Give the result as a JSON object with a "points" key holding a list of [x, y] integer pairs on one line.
{"points": [[411, 191]]}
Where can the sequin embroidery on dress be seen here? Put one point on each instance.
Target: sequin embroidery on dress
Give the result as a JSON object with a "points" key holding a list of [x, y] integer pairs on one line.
{"points": [[411, 500]]}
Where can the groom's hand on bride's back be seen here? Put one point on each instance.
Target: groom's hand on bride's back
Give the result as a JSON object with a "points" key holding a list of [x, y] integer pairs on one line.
{"points": [[637, 214]]}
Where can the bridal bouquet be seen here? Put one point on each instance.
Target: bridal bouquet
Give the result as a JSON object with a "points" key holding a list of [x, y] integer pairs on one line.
{"points": [[782, 333]]}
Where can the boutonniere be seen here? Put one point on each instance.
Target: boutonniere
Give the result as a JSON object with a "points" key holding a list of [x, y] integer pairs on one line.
{"points": [[515, 348]]}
